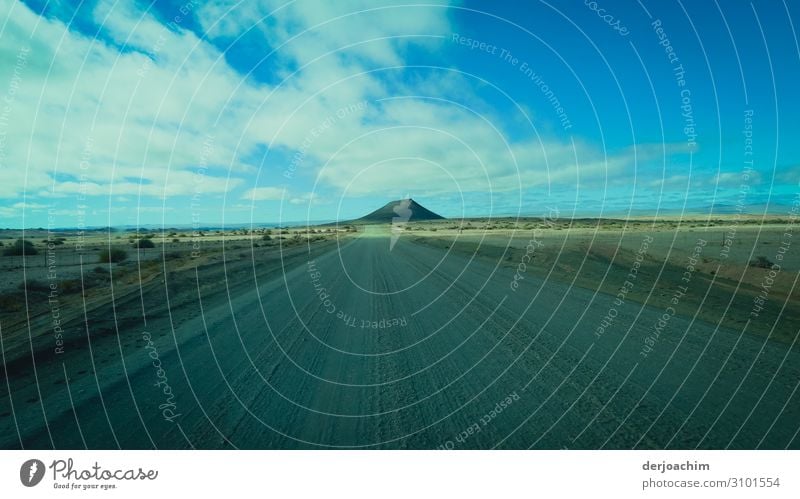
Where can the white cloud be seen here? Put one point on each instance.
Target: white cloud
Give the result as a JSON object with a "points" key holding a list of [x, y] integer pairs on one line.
{"points": [[307, 198], [29, 206], [373, 30], [265, 194], [170, 103], [735, 179], [107, 115]]}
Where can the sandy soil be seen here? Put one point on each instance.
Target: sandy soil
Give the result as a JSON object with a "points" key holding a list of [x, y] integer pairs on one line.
{"points": [[421, 343], [66, 284], [724, 286]]}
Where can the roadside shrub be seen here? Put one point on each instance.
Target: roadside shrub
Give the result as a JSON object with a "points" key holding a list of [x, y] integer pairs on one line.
{"points": [[21, 247], [70, 286], [113, 255], [144, 244], [172, 255], [11, 302], [32, 285], [761, 262], [266, 237]]}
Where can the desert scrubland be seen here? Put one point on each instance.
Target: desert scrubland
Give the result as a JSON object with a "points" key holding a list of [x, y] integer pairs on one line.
{"points": [[544, 333]]}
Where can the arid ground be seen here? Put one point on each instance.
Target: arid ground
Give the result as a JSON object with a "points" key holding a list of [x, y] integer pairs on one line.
{"points": [[533, 333]]}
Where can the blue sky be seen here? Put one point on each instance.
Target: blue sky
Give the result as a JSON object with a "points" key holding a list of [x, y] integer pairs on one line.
{"points": [[180, 112]]}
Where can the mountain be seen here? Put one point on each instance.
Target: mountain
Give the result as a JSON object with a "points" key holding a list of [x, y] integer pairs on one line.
{"points": [[401, 210]]}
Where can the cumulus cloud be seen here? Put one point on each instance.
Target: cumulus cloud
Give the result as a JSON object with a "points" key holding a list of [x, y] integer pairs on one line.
{"points": [[146, 110], [89, 110], [265, 194]]}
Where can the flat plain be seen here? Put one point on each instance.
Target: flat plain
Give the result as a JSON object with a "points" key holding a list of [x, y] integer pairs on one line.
{"points": [[448, 334]]}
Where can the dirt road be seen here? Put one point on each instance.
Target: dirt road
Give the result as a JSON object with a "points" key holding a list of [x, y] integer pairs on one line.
{"points": [[410, 346]]}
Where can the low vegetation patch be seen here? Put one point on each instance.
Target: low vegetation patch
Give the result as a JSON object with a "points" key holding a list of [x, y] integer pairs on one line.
{"points": [[21, 247], [761, 262], [34, 286], [113, 255], [144, 244]]}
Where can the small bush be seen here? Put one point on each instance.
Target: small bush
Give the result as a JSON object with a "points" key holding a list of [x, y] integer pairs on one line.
{"points": [[144, 244], [11, 302], [761, 262], [176, 240], [114, 255], [32, 285], [172, 255], [93, 279], [70, 286], [266, 237], [21, 247]]}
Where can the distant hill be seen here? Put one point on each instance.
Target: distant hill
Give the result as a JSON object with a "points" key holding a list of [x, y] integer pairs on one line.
{"points": [[401, 210]]}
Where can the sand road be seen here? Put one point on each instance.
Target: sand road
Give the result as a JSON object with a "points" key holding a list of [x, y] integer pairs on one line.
{"points": [[409, 347]]}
